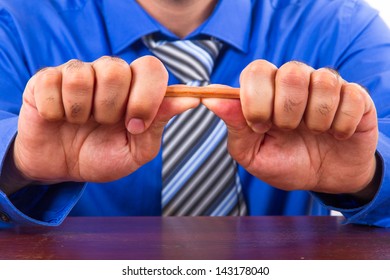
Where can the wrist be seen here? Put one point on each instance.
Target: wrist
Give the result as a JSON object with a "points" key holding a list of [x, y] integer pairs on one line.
{"points": [[368, 193], [11, 179]]}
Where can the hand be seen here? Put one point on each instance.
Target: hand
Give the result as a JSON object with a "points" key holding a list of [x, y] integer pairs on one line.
{"points": [[95, 121], [300, 128]]}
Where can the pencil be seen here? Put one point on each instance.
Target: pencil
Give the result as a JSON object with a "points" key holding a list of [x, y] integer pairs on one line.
{"points": [[202, 92]]}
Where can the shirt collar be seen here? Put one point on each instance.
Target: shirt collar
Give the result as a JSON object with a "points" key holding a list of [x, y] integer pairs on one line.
{"points": [[230, 23]]}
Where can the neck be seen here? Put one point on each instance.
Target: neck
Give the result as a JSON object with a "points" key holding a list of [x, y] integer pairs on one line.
{"points": [[179, 16]]}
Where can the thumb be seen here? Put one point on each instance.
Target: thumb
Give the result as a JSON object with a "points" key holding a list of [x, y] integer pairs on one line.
{"points": [[241, 138], [170, 107]]}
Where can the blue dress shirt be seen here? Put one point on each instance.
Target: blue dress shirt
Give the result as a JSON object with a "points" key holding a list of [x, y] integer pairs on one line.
{"points": [[346, 35]]}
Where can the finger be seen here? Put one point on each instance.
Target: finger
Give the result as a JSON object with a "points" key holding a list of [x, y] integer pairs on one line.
{"points": [[169, 107], [47, 93], [241, 138], [257, 83], [324, 96], [229, 110], [148, 86], [77, 90], [112, 84], [291, 94], [172, 106], [350, 111]]}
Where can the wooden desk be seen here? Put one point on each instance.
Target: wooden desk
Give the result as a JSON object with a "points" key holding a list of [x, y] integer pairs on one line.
{"points": [[270, 238]]}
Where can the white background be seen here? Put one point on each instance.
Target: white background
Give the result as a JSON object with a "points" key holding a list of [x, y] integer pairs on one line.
{"points": [[278, 269], [384, 8]]}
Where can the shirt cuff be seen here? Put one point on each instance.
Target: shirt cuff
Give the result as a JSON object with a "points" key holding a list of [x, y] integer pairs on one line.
{"points": [[40, 205]]}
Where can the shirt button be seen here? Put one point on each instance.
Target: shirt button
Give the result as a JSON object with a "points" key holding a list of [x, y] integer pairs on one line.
{"points": [[4, 217]]}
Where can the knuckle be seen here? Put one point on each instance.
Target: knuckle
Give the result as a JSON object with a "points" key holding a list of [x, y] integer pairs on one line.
{"points": [[51, 115], [325, 108], [292, 79], [343, 131], [107, 120], [294, 74], [149, 61], [108, 111], [48, 76], [114, 76], [325, 80], [258, 68], [81, 82], [76, 113], [111, 59], [292, 104], [355, 92], [109, 107], [318, 127], [76, 110], [74, 65], [77, 85], [150, 64], [108, 102], [257, 116], [111, 70], [285, 124]]}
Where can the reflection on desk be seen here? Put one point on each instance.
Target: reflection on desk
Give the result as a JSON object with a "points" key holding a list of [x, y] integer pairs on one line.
{"points": [[125, 238]]}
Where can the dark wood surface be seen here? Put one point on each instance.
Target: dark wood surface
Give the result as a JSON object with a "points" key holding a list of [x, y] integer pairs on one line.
{"points": [[272, 238]]}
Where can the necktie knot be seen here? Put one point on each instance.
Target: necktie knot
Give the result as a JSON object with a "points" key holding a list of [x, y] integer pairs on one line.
{"points": [[191, 61]]}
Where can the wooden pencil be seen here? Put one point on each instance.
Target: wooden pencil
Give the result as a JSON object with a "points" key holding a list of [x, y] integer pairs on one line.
{"points": [[202, 92]]}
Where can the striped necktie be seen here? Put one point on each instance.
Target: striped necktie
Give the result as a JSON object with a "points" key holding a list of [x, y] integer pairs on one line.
{"points": [[199, 176]]}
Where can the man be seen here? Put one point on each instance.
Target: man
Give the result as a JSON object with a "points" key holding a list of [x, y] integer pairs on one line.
{"points": [[96, 111]]}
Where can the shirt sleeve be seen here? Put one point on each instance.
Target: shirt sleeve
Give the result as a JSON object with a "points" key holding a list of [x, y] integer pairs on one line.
{"points": [[44, 205], [366, 60], [36, 204]]}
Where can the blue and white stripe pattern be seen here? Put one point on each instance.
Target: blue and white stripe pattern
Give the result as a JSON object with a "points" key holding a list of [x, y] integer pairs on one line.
{"points": [[199, 176]]}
